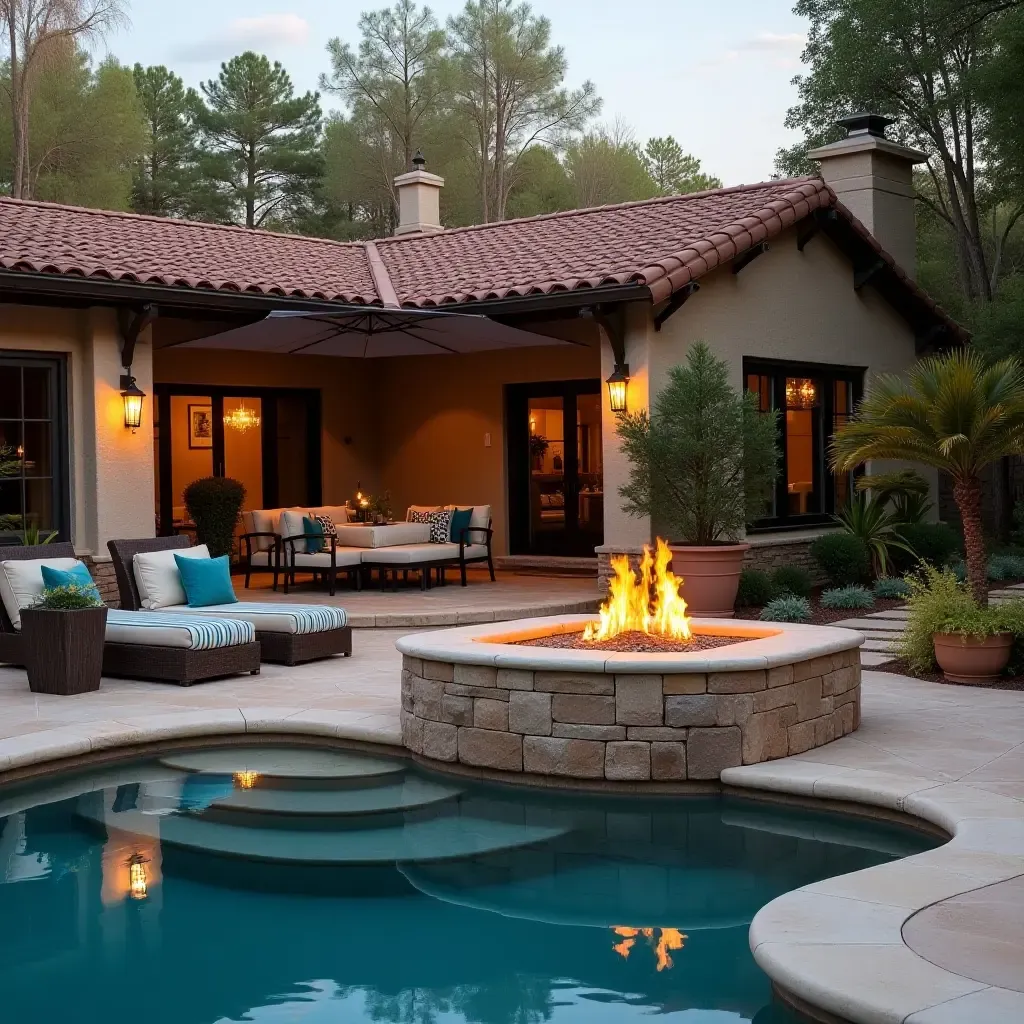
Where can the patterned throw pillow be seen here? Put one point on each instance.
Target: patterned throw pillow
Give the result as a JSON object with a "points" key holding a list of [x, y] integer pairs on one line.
{"points": [[440, 523], [327, 526]]}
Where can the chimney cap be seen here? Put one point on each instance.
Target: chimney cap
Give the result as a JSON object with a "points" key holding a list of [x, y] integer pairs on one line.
{"points": [[419, 161], [865, 123]]}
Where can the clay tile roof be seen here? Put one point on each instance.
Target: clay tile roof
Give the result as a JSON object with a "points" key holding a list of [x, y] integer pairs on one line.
{"points": [[51, 239]]}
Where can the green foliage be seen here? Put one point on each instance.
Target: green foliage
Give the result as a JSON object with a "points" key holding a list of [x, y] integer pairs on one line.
{"points": [[32, 535], [843, 558], [705, 462], [791, 580], [937, 600], [847, 597], [261, 155], [787, 609], [905, 490], [1005, 567], [542, 185], [867, 519], [70, 598], [674, 172], [755, 589], [934, 543], [605, 168], [214, 504], [891, 587]]}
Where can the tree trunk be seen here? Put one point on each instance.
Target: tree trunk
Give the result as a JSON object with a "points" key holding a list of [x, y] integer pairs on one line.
{"points": [[967, 495]]}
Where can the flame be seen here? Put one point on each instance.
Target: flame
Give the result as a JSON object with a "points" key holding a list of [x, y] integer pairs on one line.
{"points": [[668, 940], [247, 779], [629, 607]]}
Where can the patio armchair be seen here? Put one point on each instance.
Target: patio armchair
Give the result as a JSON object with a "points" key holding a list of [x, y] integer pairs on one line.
{"points": [[182, 649], [286, 633]]}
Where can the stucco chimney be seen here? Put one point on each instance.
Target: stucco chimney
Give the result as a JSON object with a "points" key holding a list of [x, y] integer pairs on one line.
{"points": [[873, 178], [419, 200]]}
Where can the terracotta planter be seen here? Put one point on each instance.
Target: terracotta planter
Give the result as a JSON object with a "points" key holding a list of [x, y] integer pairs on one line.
{"points": [[711, 577], [63, 649], [970, 659]]}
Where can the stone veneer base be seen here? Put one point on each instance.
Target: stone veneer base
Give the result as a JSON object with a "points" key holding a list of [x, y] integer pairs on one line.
{"points": [[471, 697]]}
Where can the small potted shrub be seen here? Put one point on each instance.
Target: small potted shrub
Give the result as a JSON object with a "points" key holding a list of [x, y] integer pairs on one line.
{"points": [[214, 504], [970, 643], [703, 465], [63, 634]]}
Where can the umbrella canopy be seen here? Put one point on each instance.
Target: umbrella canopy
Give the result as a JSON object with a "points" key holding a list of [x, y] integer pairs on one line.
{"points": [[365, 332]]}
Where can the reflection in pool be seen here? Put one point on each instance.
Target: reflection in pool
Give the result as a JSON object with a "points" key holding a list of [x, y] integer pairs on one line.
{"points": [[276, 886]]}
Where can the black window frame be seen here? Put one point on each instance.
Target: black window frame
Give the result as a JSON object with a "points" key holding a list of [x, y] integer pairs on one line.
{"points": [[60, 461], [777, 370]]}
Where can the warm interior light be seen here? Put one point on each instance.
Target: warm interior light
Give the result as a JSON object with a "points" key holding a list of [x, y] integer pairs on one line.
{"points": [[242, 418], [801, 393], [138, 887], [667, 940], [618, 384], [20, 452], [649, 603], [247, 779], [132, 397]]}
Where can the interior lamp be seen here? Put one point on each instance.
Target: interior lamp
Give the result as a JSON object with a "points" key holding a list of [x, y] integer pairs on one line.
{"points": [[132, 396], [617, 385]]}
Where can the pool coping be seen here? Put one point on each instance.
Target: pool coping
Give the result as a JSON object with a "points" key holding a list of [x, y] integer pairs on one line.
{"points": [[837, 945]]}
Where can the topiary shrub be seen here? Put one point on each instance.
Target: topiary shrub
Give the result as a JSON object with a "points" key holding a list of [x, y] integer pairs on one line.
{"points": [[892, 587], [847, 597], [69, 598], [791, 579], [214, 504], [755, 589], [933, 543], [843, 558], [787, 609]]}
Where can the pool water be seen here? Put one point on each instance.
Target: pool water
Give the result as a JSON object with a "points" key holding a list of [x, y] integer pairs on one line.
{"points": [[311, 886]]}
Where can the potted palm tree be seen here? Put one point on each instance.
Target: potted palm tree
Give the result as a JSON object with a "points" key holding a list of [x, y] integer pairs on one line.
{"points": [[702, 465], [959, 414]]}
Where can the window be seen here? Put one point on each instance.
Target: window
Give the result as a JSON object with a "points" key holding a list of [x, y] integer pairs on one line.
{"points": [[33, 440], [814, 401]]}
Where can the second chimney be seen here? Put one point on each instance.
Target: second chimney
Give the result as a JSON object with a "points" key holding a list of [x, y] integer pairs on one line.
{"points": [[419, 200], [873, 178]]}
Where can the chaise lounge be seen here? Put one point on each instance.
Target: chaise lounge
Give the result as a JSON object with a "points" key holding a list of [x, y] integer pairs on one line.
{"points": [[288, 634], [182, 649]]}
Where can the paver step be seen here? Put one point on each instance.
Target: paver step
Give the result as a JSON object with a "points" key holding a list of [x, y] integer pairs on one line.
{"points": [[869, 659], [888, 625], [878, 645], [294, 768], [445, 838]]}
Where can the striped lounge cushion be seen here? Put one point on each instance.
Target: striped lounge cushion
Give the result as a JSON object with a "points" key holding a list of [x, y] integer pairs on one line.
{"points": [[278, 618], [169, 629]]}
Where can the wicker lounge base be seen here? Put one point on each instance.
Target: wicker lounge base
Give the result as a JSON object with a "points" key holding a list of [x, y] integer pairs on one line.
{"points": [[296, 648], [177, 665]]}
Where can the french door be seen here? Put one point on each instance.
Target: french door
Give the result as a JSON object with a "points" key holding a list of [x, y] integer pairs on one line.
{"points": [[555, 467], [267, 438]]}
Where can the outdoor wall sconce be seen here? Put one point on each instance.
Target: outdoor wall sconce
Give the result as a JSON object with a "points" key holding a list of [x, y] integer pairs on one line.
{"points": [[132, 396], [617, 384], [138, 885]]}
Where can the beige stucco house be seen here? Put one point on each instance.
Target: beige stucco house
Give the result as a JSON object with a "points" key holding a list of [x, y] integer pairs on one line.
{"points": [[805, 286]]}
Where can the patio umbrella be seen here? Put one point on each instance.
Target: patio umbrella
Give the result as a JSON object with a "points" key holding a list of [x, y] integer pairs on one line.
{"points": [[366, 332]]}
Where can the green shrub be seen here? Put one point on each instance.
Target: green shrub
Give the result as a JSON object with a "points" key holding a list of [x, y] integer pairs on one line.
{"points": [[934, 543], [847, 597], [791, 580], [70, 598], [755, 589], [787, 609], [844, 558], [1005, 567], [937, 600], [214, 504], [891, 586]]}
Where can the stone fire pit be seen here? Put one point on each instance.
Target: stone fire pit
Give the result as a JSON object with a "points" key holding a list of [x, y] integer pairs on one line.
{"points": [[479, 696]]}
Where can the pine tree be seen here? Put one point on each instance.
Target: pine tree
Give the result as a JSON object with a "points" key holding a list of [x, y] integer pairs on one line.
{"points": [[675, 172]]}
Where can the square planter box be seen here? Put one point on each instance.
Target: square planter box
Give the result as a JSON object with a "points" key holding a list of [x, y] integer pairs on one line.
{"points": [[64, 649]]}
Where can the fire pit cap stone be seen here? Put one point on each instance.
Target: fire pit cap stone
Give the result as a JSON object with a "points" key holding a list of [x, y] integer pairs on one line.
{"points": [[499, 644]]}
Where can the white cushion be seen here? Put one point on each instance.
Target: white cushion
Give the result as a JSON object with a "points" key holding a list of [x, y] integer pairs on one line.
{"points": [[481, 516], [275, 618], [292, 524], [420, 508], [157, 576], [263, 558], [338, 513], [175, 628], [343, 558], [263, 520], [408, 554], [21, 582], [384, 536]]}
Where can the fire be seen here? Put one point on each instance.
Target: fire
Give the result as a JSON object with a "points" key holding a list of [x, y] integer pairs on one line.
{"points": [[629, 607], [668, 940]]}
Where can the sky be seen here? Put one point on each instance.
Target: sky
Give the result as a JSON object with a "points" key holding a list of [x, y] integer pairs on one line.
{"points": [[715, 75]]}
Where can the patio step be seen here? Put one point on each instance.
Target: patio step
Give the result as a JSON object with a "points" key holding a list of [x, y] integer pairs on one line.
{"points": [[277, 767]]}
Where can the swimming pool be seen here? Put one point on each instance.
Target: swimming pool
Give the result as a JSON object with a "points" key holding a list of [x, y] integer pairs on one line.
{"points": [[304, 885]]}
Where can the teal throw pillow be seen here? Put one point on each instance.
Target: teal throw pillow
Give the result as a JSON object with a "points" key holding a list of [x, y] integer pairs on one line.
{"points": [[206, 581], [79, 576], [460, 521], [314, 545]]}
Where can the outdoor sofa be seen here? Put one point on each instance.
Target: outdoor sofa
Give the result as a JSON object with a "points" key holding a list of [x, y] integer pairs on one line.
{"points": [[275, 541], [288, 634], [182, 649]]}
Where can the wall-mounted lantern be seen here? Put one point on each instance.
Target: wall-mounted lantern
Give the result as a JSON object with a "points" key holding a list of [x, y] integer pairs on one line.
{"points": [[132, 396], [617, 386]]}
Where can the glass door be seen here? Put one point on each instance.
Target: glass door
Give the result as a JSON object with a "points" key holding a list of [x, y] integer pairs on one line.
{"points": [[555, 470]]}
